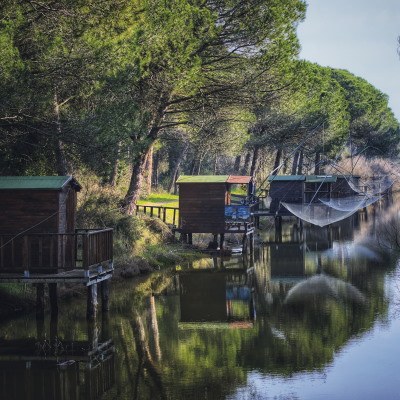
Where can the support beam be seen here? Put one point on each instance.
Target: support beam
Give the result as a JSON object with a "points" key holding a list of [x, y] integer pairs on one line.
{"points": [[91, 309], [105, 296], [244, 244], [40, 301], [53, 298], [221, 241]]}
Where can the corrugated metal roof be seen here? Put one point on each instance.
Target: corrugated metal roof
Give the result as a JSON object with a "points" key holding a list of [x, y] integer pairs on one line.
{"points": [[36, 182], [286, 178], [202, 179], [321, 178], [239, 179]]}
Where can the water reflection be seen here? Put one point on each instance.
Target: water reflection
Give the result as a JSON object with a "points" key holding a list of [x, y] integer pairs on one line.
{"points": [[47, 366], [232, 328], [219, 297]]}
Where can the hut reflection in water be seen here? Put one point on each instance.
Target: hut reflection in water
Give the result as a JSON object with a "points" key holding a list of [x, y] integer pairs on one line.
{"points": [[48, 367]]}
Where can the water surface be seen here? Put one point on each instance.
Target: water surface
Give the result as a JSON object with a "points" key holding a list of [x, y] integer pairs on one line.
{"points": [[313, 314]]}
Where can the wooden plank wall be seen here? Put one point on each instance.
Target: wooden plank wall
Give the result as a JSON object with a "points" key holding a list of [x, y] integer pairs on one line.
{"points": [[341, 188], [202, 207], [22, 209], [288, 191]]}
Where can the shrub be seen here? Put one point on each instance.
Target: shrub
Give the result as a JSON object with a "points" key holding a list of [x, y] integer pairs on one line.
{"points": [[101, 211]]}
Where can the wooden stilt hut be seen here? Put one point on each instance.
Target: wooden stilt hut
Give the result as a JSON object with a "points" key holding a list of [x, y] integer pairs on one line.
{"points": [[206, 205], [307, 189], [39, 242]]}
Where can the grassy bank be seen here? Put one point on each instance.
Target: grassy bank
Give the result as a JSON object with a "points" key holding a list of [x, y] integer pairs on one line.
{"points": [[141, 243]]}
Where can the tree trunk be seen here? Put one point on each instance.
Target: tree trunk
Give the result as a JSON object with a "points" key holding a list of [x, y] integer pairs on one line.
{"points": [[149, 169], [246, 163], [156, 163], [284, 164], [295, 162], [317, 163], [176, 168], [254, 161], [193, 165], [136, 182], [300, 164], [139, 163], [62, 165], [236, 166], [216, 165], [277, 162], [201, 158], [114, 173]]}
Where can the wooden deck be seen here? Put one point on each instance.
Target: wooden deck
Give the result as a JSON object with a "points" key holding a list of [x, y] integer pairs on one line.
{"points": [[84, 256], [87, 277]]}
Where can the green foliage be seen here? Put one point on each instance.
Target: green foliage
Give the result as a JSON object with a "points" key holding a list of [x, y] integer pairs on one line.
{"points": [[100, 211]]}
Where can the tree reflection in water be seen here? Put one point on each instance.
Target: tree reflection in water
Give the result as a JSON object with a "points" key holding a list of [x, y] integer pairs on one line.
{"points": [[198, 332]]}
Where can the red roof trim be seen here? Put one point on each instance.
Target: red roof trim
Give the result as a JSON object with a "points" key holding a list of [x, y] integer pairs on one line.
{"points": [[240, 179]]}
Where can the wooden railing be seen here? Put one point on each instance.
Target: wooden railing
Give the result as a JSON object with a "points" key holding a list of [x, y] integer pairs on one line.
{"points": [[97, 246], [51, 252], [167, 214]]}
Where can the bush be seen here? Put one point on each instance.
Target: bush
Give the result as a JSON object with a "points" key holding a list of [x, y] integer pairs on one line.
{"points": [[101, 211]]}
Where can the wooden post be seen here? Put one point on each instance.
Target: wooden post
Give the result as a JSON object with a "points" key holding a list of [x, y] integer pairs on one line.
{"points": [[190, 238], [53, 298], [105, 327], [53, 327], [40, 301], [251, 243], [215, 240], [40, 334], [105, 296], [91, 309], [221, 241], [244, 244]]}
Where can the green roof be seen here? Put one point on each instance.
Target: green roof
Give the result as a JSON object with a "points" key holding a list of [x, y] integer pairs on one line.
{"points": [[286, 178], [321, 178], [36, 182], [307, 178], [202, 179]]}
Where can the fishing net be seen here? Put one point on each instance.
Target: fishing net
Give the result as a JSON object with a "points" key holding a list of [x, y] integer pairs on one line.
{"points": [[318, 213], [350, 203], [372, 186], [323, 287]]}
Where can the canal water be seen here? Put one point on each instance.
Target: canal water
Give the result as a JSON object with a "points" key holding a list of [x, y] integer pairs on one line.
{"points": [[314, 313]]}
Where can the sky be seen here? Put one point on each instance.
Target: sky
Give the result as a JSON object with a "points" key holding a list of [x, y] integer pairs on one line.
{"points": [[358, 35]]}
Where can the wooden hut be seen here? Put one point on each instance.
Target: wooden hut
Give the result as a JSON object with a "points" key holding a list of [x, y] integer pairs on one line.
{"points": [[39, 242], [285, 188], [206, 205], [307, 188]]}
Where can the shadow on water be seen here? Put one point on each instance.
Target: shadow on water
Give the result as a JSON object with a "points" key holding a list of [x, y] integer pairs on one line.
{"points": [[204, 329]]}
